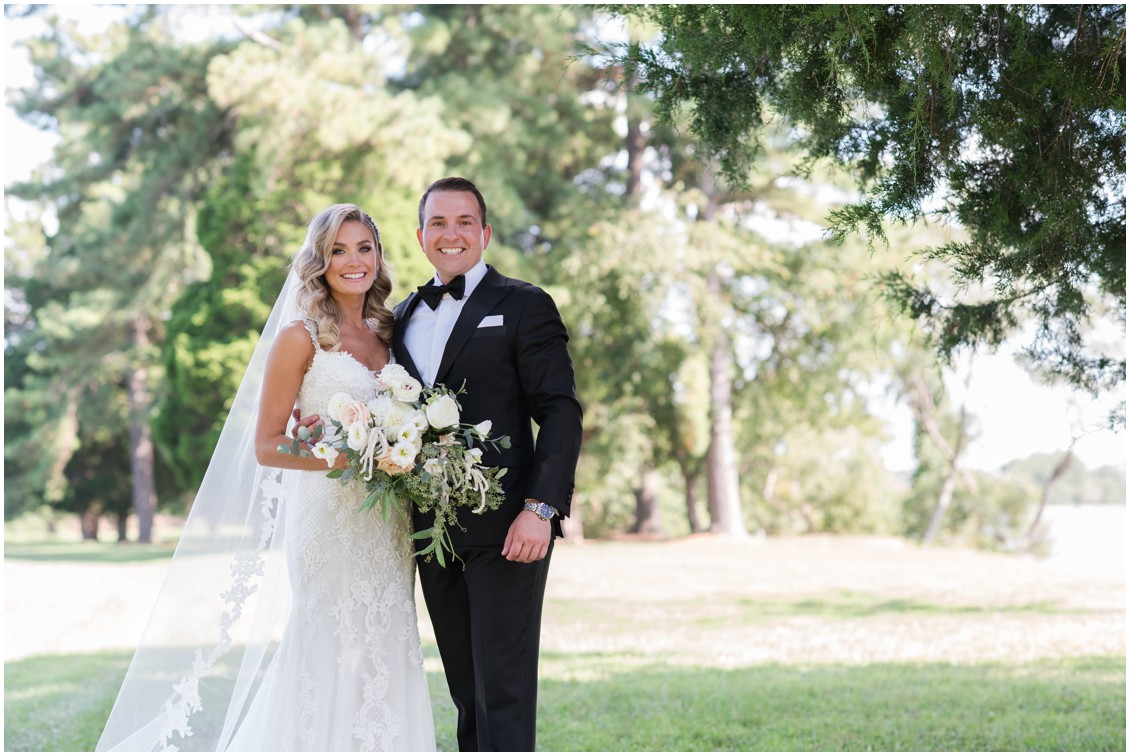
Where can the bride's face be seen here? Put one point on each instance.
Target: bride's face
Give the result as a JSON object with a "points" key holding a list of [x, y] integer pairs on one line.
{"points": [[354, 260]]}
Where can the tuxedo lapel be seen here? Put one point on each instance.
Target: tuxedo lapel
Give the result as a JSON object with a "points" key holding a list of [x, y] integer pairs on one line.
{"points": [[486, 295], [400, 325]]}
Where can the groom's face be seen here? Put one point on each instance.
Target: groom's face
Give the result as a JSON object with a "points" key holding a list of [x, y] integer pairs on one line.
{"points": [[453, 236]]}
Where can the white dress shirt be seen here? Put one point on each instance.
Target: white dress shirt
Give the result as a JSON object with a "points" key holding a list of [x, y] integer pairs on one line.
{"points": [[428, 330]]}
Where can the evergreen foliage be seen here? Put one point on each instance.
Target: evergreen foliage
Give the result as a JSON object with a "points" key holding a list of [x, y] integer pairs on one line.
{"points": [[1008, 119]]}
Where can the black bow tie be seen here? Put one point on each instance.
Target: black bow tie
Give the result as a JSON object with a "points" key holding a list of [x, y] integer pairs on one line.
{"points": [[432, 294]]}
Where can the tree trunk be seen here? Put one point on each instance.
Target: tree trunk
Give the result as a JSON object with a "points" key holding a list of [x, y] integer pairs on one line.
{"points": [[647, 504], [690, 492], [1061, 468], [723, 498], [945, 496], [635, 142], [141, 437], [925, 414], [123, 523], [89, 518]]}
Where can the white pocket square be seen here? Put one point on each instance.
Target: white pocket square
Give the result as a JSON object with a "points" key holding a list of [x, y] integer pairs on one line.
{"points": [[491, 320]]}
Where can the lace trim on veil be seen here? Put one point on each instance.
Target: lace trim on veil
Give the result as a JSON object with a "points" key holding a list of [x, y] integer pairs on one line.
{"points": [[245, 567]]}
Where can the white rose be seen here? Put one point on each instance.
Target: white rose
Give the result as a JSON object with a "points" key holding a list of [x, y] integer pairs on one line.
{"points": [[399, 413], [392, 374], [483, 428], [337, 402], [357, 436], [407, 389], [322, 450], [443, 412]]}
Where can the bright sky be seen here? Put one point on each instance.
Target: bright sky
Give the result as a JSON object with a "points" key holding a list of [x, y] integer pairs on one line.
{"points": [[1015, 416]]}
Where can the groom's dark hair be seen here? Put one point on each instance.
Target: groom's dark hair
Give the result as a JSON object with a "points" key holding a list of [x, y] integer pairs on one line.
{"points": [[454, 184]]}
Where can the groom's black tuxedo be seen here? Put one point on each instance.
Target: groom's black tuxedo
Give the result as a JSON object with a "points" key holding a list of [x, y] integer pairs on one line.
{"points": [[508, 350]]}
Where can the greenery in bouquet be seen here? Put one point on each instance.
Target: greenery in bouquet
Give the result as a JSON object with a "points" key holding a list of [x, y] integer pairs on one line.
{"points": [[408, 444]]}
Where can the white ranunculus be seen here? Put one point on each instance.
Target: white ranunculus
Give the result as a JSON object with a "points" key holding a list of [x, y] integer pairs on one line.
{"points": [[358, 434], [443, 412], [483, 428], [337, 402], [322, 450]]}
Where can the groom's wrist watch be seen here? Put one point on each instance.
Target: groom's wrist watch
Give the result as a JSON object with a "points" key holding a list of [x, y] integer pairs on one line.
{"points": [[540, 508]]}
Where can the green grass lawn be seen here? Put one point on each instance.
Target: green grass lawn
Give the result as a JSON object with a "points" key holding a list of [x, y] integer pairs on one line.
{"points": [[597, 703], [622, 694], [1046, 705], [102, 552]]}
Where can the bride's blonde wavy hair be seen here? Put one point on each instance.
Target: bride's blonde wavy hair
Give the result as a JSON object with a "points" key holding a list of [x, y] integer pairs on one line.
{"points": [[315, 300]]}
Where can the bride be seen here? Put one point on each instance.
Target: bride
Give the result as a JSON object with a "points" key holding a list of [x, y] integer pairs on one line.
{"points": [[278, 549]]}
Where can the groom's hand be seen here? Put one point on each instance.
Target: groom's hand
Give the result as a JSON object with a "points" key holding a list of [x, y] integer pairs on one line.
{"points": [[528, 539]]}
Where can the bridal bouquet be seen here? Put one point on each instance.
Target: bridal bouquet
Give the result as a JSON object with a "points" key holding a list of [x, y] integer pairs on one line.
{"points": [[408, 444]]}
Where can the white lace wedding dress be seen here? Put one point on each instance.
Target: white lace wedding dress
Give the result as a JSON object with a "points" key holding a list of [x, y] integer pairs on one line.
{"points": [[349, 674]]}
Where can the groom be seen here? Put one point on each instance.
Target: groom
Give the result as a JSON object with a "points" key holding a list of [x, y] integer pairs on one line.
{"points": [[503, 341]]}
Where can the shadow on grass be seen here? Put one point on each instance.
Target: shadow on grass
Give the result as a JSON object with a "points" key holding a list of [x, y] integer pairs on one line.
{"points": [[89, 551], [602, 702]]}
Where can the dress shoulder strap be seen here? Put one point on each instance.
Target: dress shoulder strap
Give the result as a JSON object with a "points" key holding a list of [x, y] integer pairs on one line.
{"points": [[312, 329]]}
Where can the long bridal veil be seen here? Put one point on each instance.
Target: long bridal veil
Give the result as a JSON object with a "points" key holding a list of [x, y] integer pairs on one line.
{"points": [[225, 597]]}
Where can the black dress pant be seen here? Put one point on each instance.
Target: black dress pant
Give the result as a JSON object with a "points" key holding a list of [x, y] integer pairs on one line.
{"points": [[487, 620]]}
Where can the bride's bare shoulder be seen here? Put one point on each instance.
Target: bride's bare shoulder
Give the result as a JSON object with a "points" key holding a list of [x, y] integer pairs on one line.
{"points": [[294, 340]]}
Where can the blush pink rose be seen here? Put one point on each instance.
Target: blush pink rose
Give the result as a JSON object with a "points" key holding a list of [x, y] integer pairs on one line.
{"points": [[353, 413]]}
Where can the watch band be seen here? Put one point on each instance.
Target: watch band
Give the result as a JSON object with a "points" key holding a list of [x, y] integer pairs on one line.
{"points": [[541, 509]]}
